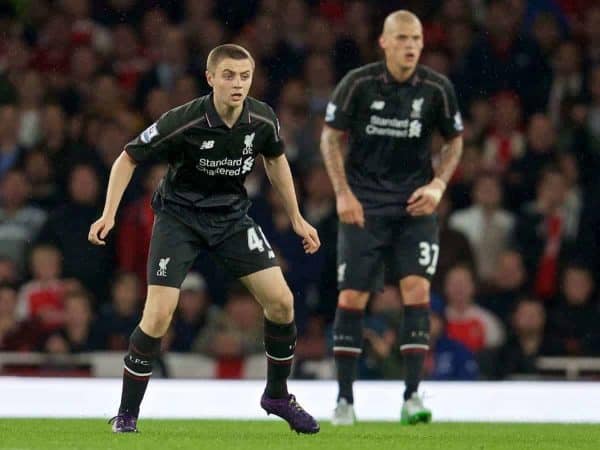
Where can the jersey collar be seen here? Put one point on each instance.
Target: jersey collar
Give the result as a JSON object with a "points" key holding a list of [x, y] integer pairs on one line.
{"points": [[388, 78], [214, 120]]}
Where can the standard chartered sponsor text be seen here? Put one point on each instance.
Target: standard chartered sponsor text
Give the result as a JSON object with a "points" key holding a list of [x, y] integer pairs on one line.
{"points": [[223, 167], [394, 127]]}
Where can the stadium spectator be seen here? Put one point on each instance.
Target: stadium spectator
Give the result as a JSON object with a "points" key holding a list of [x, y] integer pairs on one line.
{"points": [[507, 285], [67, 228], [545, 234], [62, 151], [461, 188], [232, 334], [567, 83], [8, 271], [45, 193], [467, 322], [487, 226], [454, 246], [526, 342], [591, 29], [19, 223], [505, 141], [118, 319], [503, 57], [524, 171], [11, 151], [172, 64], [193, 313], [77, 334], [310, 346], [129, 62], [85, 64], [573, 322], [31, 96], [15, 335], [448, 359], [481, 114], [41, 299]]}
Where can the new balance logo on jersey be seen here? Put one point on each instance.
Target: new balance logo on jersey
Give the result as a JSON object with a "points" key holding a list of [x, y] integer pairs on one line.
{"points": [[162, 267], [417, 106], [207, 145], [378, 105]]}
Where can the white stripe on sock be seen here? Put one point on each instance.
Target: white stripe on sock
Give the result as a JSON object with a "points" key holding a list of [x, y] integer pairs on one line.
{"points": [[412, 346], [358, 351], [136, 373], [287, 358]]}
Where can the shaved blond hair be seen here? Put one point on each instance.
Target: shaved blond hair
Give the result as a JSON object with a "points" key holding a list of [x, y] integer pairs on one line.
{"points": [[400, 16]]}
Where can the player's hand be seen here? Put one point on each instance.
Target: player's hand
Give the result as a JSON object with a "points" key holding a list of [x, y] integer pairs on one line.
{"points": [[99, 230], [424, 200], [310, 237], [349, 209]]}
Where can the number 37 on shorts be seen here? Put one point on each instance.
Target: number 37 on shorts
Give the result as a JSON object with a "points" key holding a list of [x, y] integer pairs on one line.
{"points": [[428, 256]]}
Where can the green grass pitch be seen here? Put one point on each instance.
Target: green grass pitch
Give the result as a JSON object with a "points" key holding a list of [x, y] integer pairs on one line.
{"points": [[68, 434]]}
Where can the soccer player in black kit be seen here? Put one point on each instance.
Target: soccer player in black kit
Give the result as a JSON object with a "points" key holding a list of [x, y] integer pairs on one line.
{"points": [[211, 144], [386, 194]]}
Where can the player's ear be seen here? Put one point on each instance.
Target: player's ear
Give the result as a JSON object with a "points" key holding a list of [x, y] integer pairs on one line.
{"points": [[382, 41], [209, 78]]}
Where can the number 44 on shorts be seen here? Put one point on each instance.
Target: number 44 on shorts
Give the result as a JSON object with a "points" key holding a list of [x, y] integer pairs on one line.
{"points": [[258, 241], [428, 256]]}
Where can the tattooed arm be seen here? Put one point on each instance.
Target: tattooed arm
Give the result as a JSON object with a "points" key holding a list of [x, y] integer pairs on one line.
{"points": [[425, 199], [349, 208]]}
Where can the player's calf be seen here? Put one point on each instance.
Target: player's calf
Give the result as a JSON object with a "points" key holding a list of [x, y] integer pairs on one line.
{"points": [[414, 347], [347, 347], [143, 350], [280, 343]]}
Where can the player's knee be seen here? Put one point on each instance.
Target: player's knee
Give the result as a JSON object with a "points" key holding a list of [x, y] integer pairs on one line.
{"points": [[281, 308], [353, 299], [415, 290]]}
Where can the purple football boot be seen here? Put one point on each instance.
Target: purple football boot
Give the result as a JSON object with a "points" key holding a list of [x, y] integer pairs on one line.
{"points": [[289, 410], [124, 423]]}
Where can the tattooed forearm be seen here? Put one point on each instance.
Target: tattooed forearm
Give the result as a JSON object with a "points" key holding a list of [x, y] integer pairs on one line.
{"points": [[450, 155], [331, 149]]}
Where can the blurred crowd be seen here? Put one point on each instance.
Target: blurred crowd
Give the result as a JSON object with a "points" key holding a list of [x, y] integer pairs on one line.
{"points": [[517, 273]]}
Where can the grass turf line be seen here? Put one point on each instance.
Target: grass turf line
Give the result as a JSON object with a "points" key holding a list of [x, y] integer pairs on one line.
{"points": [[71, 434]]}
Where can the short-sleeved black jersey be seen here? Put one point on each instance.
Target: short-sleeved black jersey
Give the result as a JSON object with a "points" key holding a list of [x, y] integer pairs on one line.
{"points": [[208, 161], [390, 126]]}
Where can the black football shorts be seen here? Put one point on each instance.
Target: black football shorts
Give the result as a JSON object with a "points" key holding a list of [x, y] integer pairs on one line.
{"points": [[402, 246], [175, 244]]}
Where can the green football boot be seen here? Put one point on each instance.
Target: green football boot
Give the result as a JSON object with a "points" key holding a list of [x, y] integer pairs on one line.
{"points": [[413, 411]]}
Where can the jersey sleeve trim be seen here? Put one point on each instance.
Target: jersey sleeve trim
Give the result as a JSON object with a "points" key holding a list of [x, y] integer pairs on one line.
{"points": [[131, 155], [179, 130], [268, 121], [444, 96], [353, 87]]}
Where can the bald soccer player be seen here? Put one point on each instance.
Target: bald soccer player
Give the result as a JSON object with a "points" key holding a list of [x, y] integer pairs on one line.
{"points": [[387, 192]]}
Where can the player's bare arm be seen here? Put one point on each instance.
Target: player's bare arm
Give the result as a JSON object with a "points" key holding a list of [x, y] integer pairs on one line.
{"points": [[280, 176], [425, 199], [349, 208], [120, 175]]}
